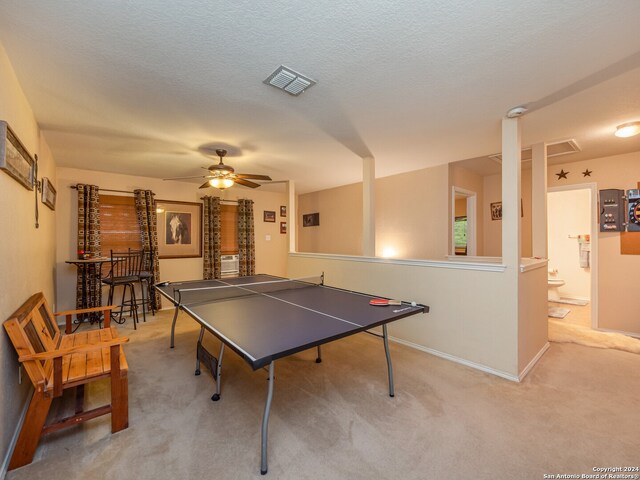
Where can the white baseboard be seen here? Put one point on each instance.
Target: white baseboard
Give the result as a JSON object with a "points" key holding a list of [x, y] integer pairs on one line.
{"points": [[462, 361], [533, 361], [14, 438]]}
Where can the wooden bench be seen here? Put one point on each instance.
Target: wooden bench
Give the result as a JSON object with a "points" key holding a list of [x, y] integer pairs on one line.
{"points": [[56, 362]]}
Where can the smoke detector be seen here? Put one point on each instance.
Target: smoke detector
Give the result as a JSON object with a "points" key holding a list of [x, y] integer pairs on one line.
{"points": [[289, 81], [517, 112]]}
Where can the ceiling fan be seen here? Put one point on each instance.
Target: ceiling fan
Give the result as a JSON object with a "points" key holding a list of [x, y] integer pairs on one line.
{"points": [[223, 176]]}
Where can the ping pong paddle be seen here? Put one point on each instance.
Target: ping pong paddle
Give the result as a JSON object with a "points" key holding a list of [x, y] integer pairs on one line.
{"points": [[381, 302]]}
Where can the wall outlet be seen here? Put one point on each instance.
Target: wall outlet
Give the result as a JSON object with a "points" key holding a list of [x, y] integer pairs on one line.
{"points": [[267, 238]]}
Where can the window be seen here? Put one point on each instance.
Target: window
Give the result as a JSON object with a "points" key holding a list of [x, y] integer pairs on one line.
{"points": [[460, 231], [119, 228], [229, 229]]}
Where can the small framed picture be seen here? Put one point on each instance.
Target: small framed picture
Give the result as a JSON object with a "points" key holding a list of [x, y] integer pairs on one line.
{"points": [[270, 216], [14, 158], [311, 220], [496, 211], [283, 210], [283, 227], [48, 193]]}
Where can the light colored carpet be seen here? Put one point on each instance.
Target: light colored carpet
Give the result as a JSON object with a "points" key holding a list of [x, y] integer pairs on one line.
{"points": [[577, 408], [563, 332], [557, 312]]}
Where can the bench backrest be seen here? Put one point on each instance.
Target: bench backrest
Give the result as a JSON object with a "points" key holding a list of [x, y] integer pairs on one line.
{"points": [[33, 329]]}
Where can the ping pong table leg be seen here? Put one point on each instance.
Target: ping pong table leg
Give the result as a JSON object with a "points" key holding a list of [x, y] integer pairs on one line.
{"points": [[389, 365], [197, 356], [319, 357], [216, 396], [173, 324], [265, 421]]}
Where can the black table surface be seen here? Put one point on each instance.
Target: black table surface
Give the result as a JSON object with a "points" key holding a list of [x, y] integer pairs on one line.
{"points": [[273, 324]]}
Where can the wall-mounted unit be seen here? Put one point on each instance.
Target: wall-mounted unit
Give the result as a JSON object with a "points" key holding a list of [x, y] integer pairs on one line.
{"points": [[230, 266]]}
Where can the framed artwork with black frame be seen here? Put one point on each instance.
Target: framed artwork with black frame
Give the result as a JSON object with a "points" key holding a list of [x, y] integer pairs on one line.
{"points": [[311, 219], [269, 216], [179, 229], [14, 158]]}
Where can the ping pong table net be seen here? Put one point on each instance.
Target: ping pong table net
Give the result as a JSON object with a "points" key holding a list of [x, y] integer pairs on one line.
{"points": [[210, 291]]}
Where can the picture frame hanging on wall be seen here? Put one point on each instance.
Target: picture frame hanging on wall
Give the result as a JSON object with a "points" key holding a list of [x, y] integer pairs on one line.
{"points": [[14, 158], [179, 229], [311, 219], [48, 193]]}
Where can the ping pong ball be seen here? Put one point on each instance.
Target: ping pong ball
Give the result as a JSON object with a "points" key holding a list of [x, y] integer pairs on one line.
{"points": [[413, 304]]}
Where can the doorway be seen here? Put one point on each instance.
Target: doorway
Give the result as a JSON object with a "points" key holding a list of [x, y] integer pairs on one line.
{"points": [[572, 252], [463, 222]]}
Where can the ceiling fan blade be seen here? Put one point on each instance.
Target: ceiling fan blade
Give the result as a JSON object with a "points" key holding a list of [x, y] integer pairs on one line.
{"points": [[246, 183], [183, 178], [204, 185], [254, 177]]}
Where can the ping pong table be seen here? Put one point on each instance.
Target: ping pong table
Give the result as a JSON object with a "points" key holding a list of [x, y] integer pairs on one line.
{"points": [[264, 318]]}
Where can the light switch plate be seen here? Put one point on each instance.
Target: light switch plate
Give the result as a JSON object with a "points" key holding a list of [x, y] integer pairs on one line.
{"points": [[267, 238]]}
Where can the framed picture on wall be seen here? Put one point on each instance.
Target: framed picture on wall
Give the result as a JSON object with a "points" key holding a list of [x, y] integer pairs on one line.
{"points": [[269, 216], [496, 211], [48, 193], [311, 220], [179, 229], [14, 158], [283, 227], [283, 210]]}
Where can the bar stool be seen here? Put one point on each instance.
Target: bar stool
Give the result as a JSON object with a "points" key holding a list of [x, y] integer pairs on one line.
{"points": [[125, 272], [146, 277]]}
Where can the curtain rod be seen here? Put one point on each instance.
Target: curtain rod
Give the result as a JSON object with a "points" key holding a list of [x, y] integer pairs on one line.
{"points": [[223, 201], [109, 190]]}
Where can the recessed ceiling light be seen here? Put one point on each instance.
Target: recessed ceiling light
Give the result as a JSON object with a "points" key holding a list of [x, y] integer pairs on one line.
{"points": [[628, 129], [289, 81]]}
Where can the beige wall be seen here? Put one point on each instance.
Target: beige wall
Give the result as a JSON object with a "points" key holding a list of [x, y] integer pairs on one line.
{"points": [[271, 255], [412, 213], [618, 275], [27, 255], [411, 216], [340, 229], [493, 228]]}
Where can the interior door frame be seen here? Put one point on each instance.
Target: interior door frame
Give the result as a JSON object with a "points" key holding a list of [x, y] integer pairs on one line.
{"points": [[593, 188], [472, 219]]}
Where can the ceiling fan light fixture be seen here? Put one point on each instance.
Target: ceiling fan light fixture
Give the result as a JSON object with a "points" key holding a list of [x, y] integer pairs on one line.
{"points": [[221, 183], [628, 129]]}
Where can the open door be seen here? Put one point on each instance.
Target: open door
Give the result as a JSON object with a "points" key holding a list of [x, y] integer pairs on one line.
{"points": [[463, 222]]}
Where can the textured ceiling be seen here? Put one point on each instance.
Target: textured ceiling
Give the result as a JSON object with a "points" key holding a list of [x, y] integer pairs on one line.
{"points": [[137, 87]]}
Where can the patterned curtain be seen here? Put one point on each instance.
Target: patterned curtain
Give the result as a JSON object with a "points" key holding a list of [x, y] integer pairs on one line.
{"points": [[246, 238], [148, 221], [212, 238], [88, 287]]}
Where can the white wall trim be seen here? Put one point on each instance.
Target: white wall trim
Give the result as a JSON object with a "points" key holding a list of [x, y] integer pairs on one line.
{"points": [[533, 361], [14, 438], [461, 361], [458, 265]]}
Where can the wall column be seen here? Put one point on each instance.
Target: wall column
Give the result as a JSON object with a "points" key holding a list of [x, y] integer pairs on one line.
{"points": [[539, 200], [292, 215], [511, 193], [368, 207]]}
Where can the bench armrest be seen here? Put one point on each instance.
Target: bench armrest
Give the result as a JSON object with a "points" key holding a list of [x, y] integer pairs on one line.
{"points": [[69, 313], [79, 349]]}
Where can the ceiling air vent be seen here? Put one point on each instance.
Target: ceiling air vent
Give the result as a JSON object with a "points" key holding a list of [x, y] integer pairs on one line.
{"points": [[290, 81], [554, 149]]}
